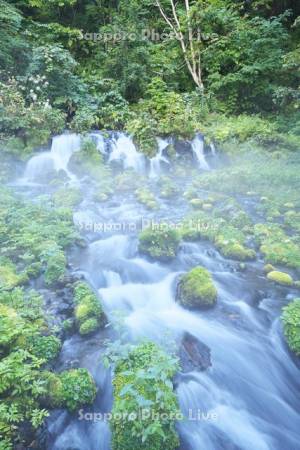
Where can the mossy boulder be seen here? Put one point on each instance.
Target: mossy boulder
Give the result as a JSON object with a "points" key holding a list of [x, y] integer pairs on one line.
{"points": [[196, 203], [147, 199], [235, 250], [196, 289], [71, 389], [269, 268], [88, 309], [160, 243], [280, 278], [291, 325]]}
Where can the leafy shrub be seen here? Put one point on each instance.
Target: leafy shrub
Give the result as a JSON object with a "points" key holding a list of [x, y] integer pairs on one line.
{"points": [[161, 244], [143, 383], [71, 389], [44, 347], [56, 267], [291, 325], [33, 124], [196, 289]]}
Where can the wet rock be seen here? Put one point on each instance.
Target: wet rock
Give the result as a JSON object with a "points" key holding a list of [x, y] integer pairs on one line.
{"points": [[193, 354]]}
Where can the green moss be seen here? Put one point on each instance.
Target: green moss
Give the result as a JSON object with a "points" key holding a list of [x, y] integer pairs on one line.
{"points": [[89, 161], [44, 347], [161, 244], [55, 267], [280, 277], [146, 197], [276, 246], [229, 239], [89, 327], [291, 325], [196, 203], [269, 268], [67, 197], [143, 382], [196, 289], [88, 312], [9, 278], [71, 389]]}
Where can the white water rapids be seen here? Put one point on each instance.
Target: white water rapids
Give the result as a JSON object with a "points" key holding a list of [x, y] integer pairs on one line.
{"points": [[252, 388]]}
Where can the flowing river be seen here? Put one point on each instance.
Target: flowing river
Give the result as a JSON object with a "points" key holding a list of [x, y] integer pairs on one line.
{"points": [[249, 398]]}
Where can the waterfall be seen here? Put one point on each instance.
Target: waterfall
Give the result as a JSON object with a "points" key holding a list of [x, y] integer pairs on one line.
{"points": [[99, 141], [198, 149], [155, 162], [45, 164], [213, 149], [124, 150]]}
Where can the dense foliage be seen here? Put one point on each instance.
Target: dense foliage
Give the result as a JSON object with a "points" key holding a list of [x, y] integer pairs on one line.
{"points": [[114, 66], [145, 407]]}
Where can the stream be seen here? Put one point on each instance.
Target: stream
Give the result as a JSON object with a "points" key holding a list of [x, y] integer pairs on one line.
{"points": [[249, 398]]}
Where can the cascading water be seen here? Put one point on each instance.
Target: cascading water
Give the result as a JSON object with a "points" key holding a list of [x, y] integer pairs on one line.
{"points": [[124, 150], [155, 162], [57, 159], [198, 149], [249, 398]]}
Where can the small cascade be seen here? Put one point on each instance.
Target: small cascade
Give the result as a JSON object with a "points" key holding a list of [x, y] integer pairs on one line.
{"points": [[198, 149], [213, 149], [123, 149], [100, 142], [155, 162], [42, 166]]}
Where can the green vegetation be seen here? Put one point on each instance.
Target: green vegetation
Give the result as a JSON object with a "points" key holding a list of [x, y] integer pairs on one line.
{"points": [[230, 240], [146, 197], [33, 239], [161, 244], [280, 277], [291, 325], [88, 311], [71, 389], [59, 68], [196, 289], [143, 385]]}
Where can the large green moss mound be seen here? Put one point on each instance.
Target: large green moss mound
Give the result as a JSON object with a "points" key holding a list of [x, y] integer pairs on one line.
{"points": [[196, 289], [280, 278]]}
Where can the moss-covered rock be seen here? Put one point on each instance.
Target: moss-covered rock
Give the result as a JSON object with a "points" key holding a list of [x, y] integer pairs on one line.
{"points": [[269, 268], [71, 389], [291, 325], [276, 246], [161, 243], [88, 310], [196, 289], [146, 197], [280, 278]]}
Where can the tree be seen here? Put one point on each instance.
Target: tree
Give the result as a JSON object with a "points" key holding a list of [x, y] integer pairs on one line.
{"points": [[191, 52]]}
